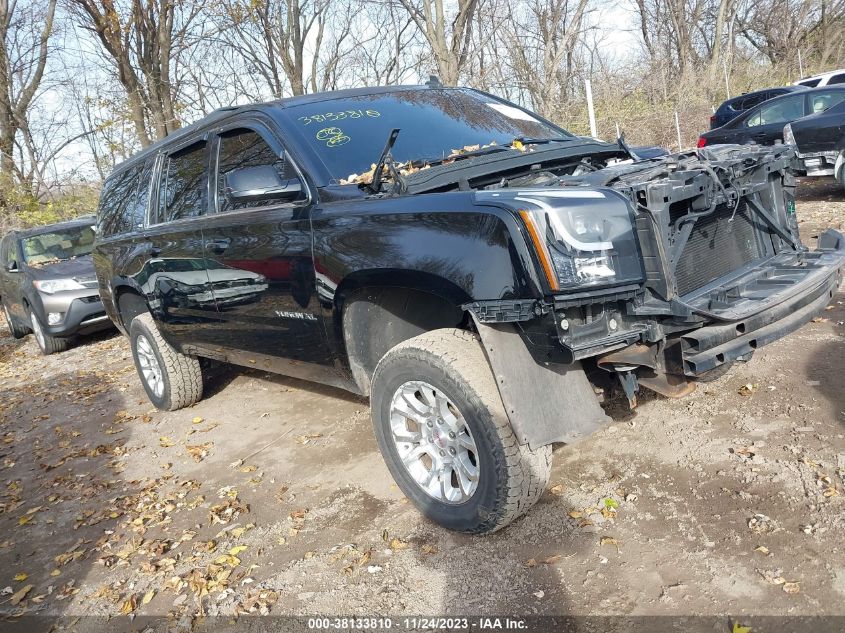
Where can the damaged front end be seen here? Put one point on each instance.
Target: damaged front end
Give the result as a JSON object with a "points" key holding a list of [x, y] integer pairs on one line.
{"points": [[667, 271]]}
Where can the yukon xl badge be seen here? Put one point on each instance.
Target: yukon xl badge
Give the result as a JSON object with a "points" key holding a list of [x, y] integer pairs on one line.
{"points": [[302, 316]]}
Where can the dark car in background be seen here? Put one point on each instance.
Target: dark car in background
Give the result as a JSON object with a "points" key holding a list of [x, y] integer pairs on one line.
{"points": [[48, 286], [732, 108], [819, 140], [763, 124]]}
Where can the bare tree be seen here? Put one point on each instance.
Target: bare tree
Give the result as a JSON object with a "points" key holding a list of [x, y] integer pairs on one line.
{"points": [[24, 36], [141, 43], [449, 36], [542, 37], [779, 28], [290, 44]]}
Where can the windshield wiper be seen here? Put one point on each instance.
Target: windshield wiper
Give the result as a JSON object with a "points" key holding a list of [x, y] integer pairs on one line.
{"points": [[386, 160], [530, 140]]}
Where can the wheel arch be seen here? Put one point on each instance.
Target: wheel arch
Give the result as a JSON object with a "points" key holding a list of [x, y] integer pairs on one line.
{"points": [[129, 302], [376, 310]]}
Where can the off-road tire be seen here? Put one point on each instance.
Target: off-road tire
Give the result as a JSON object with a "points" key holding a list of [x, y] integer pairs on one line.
{"points": [[46, 343], [16, 330], [181, 374], [512, 477]]}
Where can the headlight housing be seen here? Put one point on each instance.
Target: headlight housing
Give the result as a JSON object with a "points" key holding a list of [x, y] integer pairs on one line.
{"points": [[584, 238], [52, 286]]}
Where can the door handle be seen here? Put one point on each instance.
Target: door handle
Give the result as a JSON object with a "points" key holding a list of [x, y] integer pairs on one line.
{"points": [[217, 246]]}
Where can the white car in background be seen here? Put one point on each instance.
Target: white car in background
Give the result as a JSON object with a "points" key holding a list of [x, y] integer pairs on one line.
{"points": [[824, 79]]}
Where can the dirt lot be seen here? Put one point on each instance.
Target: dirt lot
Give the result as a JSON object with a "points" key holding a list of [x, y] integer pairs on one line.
{"points": [[270, 496]]}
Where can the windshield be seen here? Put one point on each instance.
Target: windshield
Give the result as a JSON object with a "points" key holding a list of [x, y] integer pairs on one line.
{"points": [[61, 245], [349, 134]]}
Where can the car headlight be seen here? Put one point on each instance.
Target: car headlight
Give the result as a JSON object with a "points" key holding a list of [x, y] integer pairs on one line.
{"points": [[788, 136], [51, 286], [583, 238]]}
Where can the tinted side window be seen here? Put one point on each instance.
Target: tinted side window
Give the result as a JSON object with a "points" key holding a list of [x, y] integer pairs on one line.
{"points": [[812, 83], [837, 79], [246, 148], [821, 101], [183, 184], [753, 100], [7, 251], [117, 196], [781, 111]]}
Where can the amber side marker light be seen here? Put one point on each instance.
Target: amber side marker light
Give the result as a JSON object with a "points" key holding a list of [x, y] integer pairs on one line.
{"points": [[540, 247]]}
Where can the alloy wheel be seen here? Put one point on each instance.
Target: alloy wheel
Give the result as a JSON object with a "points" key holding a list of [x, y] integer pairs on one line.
{"points": [[434, 442], [150, 368], [36, 329]]}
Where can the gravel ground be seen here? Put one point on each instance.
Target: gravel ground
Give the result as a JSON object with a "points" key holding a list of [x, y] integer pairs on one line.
{"points": [[269, 496]]}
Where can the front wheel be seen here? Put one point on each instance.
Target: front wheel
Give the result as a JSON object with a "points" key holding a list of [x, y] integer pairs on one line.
{"points": [[171, 379], [46, 343], [444, 434]]}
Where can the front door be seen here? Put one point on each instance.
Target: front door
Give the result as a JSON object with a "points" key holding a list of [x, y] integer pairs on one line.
{"points": [[259, 257], [174, 277]]}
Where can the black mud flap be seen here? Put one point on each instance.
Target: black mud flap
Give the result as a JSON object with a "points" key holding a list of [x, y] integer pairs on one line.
{"points": [[546, 404]]}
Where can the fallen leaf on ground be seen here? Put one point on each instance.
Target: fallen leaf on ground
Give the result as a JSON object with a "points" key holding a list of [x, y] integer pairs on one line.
{"points": [[166, 442], [609, 540], [148, 596], [21, 577], [397, 544], [791, 587], [199, 451], [20, 594], [747, 389]]}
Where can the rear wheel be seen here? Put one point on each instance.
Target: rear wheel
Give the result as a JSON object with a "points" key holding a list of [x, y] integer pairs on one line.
{"points": [[46, 343], [444, 434], [171, 379], [16, 330]]}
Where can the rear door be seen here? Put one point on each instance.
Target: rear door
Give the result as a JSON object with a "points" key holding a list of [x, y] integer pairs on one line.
{"points": [[173, 276], [260, 256], [764, 124]]}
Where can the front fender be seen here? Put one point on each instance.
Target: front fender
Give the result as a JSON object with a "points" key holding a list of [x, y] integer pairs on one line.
{"points": [[453, 248]]}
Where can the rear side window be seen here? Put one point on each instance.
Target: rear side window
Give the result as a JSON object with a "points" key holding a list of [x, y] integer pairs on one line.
{"points": [[821, 101], [753, 100], [837, 79], [123, 202], [7, 251], [810, 83], [116, 201], [183, 184], [246, 148]]}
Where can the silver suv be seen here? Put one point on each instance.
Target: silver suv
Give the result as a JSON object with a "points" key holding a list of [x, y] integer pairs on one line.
{"points": [[48, 286]]}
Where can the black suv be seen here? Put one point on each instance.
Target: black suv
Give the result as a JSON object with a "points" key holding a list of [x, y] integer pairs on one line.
{"points": [[48, 286], [478, 272]]}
